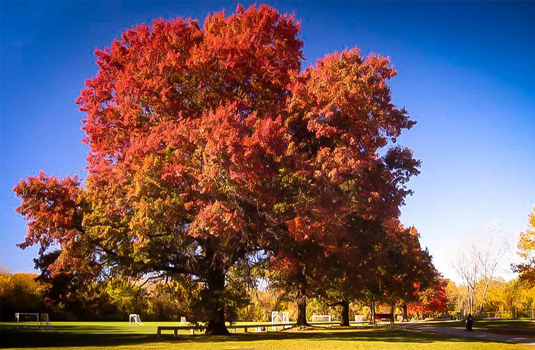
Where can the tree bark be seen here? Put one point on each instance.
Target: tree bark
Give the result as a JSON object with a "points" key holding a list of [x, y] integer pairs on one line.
{"points": [[372, 311], [471, 293], [345, 313], [215, 304], [487, 284], [301, 300], [423, 310], [405, 313]]}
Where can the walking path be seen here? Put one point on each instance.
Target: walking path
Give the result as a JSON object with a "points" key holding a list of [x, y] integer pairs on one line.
{"points": [[476, 334]]}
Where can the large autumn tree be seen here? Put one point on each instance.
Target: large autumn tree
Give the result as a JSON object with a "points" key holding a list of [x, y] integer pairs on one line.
{"points": [[185, 134], [209, 143]]}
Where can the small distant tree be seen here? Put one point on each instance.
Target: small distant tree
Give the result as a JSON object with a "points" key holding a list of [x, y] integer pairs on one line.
{"points": [[478, 263], [432, 299], [456, 296]]}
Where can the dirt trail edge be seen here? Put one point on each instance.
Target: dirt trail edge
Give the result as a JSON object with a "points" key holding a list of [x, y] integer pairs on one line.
{"points": [[476, 334]]}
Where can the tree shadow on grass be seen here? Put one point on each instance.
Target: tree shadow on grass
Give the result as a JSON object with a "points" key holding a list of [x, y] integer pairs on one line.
{"points": [[392, 336], [28, 338]]}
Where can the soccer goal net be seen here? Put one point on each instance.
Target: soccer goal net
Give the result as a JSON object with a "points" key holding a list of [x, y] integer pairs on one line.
{"points": [[321, 318], [279, 318], [134, 319], [27, 318], [44, 321], [495, 315]]}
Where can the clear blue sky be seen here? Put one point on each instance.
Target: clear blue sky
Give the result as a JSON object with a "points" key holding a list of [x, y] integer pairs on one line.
{"points": [[466, 74]]}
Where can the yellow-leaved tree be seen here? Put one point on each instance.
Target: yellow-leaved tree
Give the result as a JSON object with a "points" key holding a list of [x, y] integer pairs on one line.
{"points": [[526, 249]]}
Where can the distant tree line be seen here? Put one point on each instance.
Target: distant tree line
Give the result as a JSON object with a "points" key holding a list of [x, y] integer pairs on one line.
{"points": [[161, 300]]}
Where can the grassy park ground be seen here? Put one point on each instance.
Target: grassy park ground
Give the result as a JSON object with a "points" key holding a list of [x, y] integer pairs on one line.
{"points": [[508, 327], [119, 335]]}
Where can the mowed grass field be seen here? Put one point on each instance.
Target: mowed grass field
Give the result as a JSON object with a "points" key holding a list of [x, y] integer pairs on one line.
{"points": [[523, 327], [119, 335]]}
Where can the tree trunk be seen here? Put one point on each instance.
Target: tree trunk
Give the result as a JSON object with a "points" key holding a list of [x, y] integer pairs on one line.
{"points": [[487, 283], [405, 312], [471, 300], [345, 313], [372, 311], [215, 304], [301, 300], [422, 309]]}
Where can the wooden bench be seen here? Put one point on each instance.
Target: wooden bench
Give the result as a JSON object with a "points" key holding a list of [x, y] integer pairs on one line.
{"points": [[325, 323], [245, 327], [389, 317], [175, 329]]}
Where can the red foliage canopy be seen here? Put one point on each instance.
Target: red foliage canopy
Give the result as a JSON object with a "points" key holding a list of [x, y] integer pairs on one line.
{"points": [[210, 143]]}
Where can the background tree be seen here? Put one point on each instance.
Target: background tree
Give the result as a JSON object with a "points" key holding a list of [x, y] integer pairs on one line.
{"points": [[456, 297], [496, 299], [431, 300], [520, 298], [409, 274], [340, 118], [75, 295], [478, 264], [20, 292], [526, 249]]}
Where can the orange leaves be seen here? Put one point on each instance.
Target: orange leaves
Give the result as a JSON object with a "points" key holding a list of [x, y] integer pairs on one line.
{"points": [[297, 228], [244, 148], [53, 209], [256, 44], [215, 219], [346, 95], [135, 83], [49, 205], [205, 102], [206, 143]]}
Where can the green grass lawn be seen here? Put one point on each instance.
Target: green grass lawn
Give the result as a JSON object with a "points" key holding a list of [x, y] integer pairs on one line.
{"points": [[119, 335], [511, 327], [525, 323]]}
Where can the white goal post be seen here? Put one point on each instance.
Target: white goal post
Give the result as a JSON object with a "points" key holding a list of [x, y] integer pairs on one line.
{"points": [[279, 318], [321, 318], [495, 315], [134, 319], [22, 316], [45, 321]]}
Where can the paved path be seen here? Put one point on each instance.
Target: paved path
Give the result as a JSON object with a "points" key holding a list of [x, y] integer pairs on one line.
{"points": [[476, 334]]}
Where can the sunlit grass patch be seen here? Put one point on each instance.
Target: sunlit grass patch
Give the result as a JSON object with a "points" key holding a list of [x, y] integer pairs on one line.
{"points": [[119, 335]]}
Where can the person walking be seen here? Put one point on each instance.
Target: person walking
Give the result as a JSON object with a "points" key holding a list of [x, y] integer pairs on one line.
{"points": [[469, 323]]}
